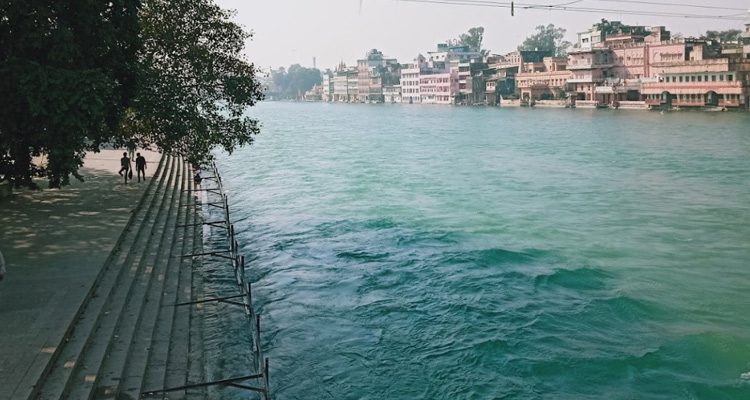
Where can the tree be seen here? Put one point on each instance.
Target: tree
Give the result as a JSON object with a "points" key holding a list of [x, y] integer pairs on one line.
{"points": [[295, 81], [194, 86], [730, 35], [547, 38], [67, 71], [473, 39]]}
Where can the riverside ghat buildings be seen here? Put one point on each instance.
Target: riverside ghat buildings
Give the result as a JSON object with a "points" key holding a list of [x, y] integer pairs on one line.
{"points": [[611, 65]]}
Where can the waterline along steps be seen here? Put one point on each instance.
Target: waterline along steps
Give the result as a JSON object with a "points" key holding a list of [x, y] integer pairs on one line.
{"points": [[128, 335]]}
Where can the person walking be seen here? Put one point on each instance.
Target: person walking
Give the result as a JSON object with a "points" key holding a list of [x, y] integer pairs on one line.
{"points": [[125, 167], [140, 167]]}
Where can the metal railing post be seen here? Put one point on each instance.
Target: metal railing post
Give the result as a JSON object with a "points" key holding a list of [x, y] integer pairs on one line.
{"points": [[265, 375], [261, 364], [257, 338]]}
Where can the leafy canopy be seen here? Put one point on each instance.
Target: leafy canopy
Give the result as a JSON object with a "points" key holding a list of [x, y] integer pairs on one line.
{"points": [[473, 39], [76, 76], [194, 85], [730, 35], [67, 71], [547, 38]]}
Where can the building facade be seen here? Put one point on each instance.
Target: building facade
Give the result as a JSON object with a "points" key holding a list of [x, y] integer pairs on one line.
{"points": [[410, 80], [543, 81], [438, 88], [392, 93]]}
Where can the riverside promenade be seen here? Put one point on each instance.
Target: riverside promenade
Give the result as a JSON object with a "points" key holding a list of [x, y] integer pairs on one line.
{"points": [[80, 262]]}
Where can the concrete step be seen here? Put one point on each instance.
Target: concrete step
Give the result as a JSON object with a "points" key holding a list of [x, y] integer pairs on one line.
{"points": [[124, 303], [151, 344], [176, 373], [54, 380], [155, 373], [129, 350], [196, 360]]}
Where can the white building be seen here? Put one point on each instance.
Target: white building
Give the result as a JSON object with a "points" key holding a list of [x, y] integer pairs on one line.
{"points": [[327, 86], [410, 80], [392, 93]]}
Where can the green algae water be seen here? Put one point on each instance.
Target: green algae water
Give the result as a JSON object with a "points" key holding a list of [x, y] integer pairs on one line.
{"points": [[420, 252]]}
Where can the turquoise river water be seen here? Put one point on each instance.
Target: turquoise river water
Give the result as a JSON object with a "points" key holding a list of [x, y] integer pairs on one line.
{"points": [[437, 252]]}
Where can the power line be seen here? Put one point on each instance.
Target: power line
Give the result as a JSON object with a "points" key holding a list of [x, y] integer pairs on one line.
{"points": [[578, 9], [656, 3]]}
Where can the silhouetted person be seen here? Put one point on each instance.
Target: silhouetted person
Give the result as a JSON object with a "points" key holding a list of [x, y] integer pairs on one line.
{"points": [[197, 178], [131, 149], [125, 167], [140, 167]]}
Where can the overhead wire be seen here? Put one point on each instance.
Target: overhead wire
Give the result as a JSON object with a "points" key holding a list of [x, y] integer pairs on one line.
{"points": [[686, 5], [580, 9]]}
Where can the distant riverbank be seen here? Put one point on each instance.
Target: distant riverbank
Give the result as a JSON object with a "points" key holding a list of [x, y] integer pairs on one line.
{"points": [[515, 103]]}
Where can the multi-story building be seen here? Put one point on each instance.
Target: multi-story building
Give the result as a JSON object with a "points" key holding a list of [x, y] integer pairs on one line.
{"points": [[327, 85], [340, 85], [438, 87], [500, 82], [701, 79], [344, 83], [392, 93], [589, 67], [314, 94], [471, 85], [410, 80], [374, 71], [543, 81], [352, 84]]}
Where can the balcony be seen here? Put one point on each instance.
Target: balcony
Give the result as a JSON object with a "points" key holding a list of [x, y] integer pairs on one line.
{"points": [[586, 79], [734, 87], [588, 66]]}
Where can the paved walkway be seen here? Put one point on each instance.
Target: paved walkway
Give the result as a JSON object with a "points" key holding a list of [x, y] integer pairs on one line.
{"points": [[55, 242]]}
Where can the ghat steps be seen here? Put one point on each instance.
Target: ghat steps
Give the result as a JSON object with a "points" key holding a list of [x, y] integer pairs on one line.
{"points": [[128, 336]]}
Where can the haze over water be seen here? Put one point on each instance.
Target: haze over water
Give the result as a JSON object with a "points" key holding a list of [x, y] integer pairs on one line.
{"points": [[402, 252]]}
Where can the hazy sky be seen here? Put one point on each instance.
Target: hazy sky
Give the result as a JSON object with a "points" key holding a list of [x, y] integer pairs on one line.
{"points": [[295, 31]]}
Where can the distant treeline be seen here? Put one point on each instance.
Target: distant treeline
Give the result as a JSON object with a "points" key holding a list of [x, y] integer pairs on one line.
{"points": [[292, 83]]}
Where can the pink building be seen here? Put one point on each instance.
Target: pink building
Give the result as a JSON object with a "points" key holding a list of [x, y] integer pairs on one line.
{"points": [[438, 88], [645, 68], [544, 80], [713, 82], [590, 67]]}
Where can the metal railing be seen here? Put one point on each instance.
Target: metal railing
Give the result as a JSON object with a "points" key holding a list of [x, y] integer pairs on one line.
{"points": [[243, 299]]}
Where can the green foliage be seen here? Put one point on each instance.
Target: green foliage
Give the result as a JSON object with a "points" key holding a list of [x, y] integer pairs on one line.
{"points": [[294, 82], [76, 76], [613, 28], [547, 38], [66, 73], [473, 39], [730, 35], [194, 86]]}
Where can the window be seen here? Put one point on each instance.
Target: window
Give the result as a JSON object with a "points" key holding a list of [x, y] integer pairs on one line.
{"points": [[730, 77], [692, 78], [700, 78], [680, 78], [713, 78], [721, 77], [705, 78]]}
